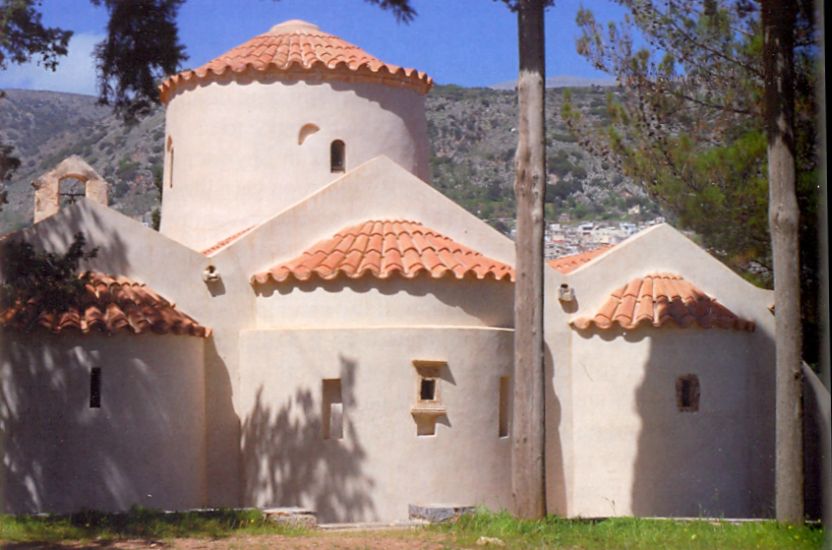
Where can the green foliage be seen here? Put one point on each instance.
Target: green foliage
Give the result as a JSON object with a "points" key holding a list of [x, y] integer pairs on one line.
{"points": [[402, 10], [142, 46], [688, 124], [139, 523], [23, 36], [630, 533], [51, 280], [8, 162]]}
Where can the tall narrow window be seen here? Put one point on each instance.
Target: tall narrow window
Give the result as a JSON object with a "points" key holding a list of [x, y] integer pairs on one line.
{"points": [[337, 156], [169, 149], [332, 416], [95, 388], [687, 393], [504, 395]]}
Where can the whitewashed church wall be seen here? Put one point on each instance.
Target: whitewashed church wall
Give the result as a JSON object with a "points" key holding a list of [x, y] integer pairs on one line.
{"points": [[237, 154], [637, 451], [145, 443], [380, 464], [386, 302]]}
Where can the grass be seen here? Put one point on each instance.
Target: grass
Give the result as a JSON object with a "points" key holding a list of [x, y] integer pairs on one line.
{"points": [[139, 523], [630, 533], [552, 532]]}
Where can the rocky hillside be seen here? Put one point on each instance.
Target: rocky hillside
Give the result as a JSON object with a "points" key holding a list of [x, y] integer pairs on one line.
{"points": [[472, 132]]}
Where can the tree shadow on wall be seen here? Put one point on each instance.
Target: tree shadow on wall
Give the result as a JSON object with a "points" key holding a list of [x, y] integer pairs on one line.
{"points": [[288, 463], [706, 451], [60, 455]]}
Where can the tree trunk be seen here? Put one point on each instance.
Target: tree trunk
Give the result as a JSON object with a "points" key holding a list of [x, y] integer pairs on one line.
{"points": [[527, 460], [778, 31]]}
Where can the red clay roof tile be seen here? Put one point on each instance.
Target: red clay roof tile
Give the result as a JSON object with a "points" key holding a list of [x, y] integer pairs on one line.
{"points": [[297, 46], [567, 264], [110, 305], [659, 299], [384, 248]]}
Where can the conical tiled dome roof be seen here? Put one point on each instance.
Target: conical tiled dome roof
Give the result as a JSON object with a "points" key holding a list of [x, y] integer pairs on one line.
{"points": [[299, 47]]}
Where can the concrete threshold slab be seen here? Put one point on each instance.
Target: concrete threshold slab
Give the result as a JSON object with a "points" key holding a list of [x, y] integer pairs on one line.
{"points": [[372, 526]]}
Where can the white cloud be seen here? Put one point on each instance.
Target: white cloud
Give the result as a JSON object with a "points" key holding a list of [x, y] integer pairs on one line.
{"points": [[76, 71]]}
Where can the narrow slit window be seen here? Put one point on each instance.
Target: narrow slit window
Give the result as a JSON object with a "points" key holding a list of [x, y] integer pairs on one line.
{"points": [[170, 176], [504, 410], [687, 393], [337, 156], [170, 161], [95, 388], [333, 409]]}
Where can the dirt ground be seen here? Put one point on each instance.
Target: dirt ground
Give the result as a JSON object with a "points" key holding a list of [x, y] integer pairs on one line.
{"points": [[372, 540]]}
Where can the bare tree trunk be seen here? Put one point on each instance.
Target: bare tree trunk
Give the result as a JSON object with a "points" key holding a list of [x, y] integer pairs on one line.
{"points": [[527, 452], [778, 29]]}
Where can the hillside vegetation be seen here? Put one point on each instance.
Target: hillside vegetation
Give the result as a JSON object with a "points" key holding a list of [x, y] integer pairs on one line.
{"points": [[472, 134]]}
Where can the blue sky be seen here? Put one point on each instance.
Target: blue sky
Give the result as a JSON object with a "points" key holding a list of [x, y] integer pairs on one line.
{"points": [[464, 42]]}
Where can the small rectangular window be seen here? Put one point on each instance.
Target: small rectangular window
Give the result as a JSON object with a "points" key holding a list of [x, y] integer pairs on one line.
{"points": [[428, 407], [333, 409], [687, 393], [504, 410], [95, 388], [427, 389]]}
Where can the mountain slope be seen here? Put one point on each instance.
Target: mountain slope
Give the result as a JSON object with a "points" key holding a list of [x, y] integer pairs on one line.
{"points": [[472, 134]]}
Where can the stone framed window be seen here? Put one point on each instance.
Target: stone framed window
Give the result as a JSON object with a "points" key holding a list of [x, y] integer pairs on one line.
{"points": [[687, 393], [428, 405]]}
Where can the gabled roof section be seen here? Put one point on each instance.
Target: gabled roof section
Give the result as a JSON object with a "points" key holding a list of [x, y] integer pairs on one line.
{"points": [[299, 47], [658, 300], [568, 264], [216, 247], [382, 248], [109, 305]]}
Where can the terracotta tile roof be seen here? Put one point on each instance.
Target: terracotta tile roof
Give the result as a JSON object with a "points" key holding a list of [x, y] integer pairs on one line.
{"points": [[385, 248], [298, 46], [659, 299], [109, 305], [216, 247], [567, 264]]}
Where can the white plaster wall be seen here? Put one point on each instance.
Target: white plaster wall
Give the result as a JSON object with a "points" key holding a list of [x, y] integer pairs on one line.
{"points": [[574, 403], [381, 465], [144, 446], [377, 302], [237, 160], [379, 189], [558, 398], [128, 248], [635, 453]]}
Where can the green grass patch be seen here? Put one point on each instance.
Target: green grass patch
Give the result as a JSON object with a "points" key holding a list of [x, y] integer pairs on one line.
{"points": [[139, 523], [630, 533]]}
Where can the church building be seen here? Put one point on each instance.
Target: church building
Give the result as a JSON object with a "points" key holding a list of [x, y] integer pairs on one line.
{"points": [[315, 325]]}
